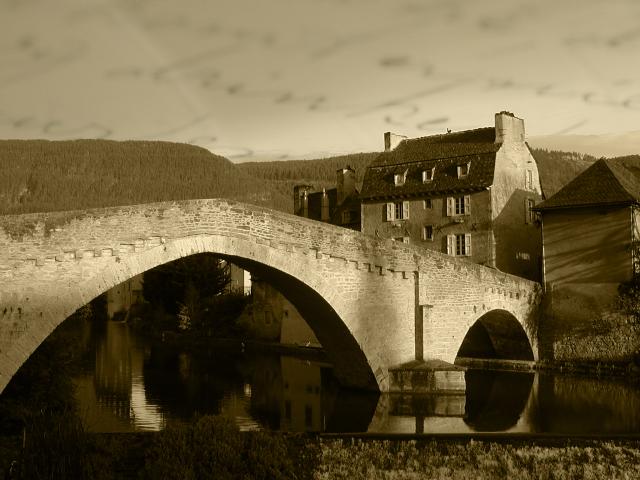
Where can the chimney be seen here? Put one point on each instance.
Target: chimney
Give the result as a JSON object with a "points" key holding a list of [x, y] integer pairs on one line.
{"points": [[509, 128], [346, 183], [324, 207], [391, 140], [299, 199]]}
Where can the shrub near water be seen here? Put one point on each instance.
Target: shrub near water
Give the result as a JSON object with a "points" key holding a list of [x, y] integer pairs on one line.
{"points": [[213, 447]]}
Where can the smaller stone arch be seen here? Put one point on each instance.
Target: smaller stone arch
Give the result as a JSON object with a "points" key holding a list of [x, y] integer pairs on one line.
{"points": [[496, 335]]}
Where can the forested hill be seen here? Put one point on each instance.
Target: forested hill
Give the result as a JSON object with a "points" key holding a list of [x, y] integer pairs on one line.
{"points": [[41, 175], [558, 168], [282, 176]]}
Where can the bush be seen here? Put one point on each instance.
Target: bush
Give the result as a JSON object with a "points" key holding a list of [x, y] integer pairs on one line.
{"points": [[213, 447]]}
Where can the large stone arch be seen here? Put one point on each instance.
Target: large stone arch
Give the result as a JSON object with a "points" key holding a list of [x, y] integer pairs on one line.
{"points": [[315, 295], [497, 334]]}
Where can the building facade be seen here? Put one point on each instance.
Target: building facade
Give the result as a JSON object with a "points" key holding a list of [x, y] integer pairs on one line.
{"points": [[590, 227], [338, 206], [468, 194]]}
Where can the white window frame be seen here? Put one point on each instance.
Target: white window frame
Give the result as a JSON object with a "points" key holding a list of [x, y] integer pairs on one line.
{"points": [[459, 245], [528, 179], [400, 178], [428, 174], [397, 211], [529, 215], [467, 167], [457, 206]]}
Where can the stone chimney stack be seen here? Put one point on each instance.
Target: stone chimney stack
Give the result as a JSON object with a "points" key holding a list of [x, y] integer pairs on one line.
{"points": [[391, 140], [509, 128], [346, 183], [300, 202], [324, 206]]}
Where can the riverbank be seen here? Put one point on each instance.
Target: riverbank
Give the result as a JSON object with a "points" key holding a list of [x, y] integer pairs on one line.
{"points": [[305, 456]]}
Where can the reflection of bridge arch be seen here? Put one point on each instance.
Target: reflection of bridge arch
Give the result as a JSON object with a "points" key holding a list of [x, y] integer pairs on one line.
{"points": [[373, 304], [496, 335]]}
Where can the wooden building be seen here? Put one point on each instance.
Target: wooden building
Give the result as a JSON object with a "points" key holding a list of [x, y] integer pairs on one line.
{"points": [[590, 227]]}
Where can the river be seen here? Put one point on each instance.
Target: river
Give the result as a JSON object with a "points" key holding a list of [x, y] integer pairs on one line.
{"points": [[130, 385]]}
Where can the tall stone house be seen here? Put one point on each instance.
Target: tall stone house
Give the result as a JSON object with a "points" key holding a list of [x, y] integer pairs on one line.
{"points": [[338, 206], [468, 194]]}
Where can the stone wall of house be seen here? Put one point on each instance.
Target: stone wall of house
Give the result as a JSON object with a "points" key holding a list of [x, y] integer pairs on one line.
{"points": [[518, 240], [372, 304]]}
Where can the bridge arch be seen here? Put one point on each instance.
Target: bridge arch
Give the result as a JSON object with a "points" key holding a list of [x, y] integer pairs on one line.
{"points": [[313, 294], [497, 334]]}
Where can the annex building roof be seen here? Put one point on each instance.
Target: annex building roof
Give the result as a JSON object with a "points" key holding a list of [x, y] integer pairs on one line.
{"points": [[609, 181]]}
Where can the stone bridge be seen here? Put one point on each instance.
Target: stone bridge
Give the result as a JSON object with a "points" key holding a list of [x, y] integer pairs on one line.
{"points": [[373, 304]]}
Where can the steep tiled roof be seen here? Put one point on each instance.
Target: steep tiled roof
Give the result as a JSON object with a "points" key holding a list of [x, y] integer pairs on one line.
{"points": [[445, 153], [613, 181]]}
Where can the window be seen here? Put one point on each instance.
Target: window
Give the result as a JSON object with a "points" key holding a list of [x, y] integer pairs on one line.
{"points": [[401, 239], [397, 211], [463, 170], [459, 205], [529, 214], [399, 178], [459, 245], [426, 203], [528, 182], [348, 216], [523, 256], [308, 416], [427, 232], [427, 175]]}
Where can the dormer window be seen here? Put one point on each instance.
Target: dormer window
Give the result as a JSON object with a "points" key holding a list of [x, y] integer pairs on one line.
{"points": [[427, 175], [463, 170], [399, 178]]}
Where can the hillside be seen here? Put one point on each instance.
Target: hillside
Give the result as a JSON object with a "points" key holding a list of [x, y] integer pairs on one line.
{"points": [[558, 168], [282, 176], [41, 175]]}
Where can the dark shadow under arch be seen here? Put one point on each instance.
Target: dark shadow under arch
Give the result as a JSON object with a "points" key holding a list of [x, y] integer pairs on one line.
{"points": [[496, 335], [351, 366]]}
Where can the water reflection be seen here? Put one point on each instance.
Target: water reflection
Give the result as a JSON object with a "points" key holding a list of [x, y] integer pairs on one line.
{"points": [[130, 385]]}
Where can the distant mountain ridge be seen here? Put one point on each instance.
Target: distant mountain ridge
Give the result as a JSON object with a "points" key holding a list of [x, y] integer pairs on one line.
{"points": [[42, 175]]}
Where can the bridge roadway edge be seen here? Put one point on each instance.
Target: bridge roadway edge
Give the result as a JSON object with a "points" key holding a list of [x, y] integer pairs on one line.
{"points": [[45, 258]]}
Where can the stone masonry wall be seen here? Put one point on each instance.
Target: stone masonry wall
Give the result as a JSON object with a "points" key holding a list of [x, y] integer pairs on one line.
{"points": [[51, 264]]}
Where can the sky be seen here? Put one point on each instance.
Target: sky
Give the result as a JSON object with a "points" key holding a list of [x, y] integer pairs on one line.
{"points": [[285, 79]]}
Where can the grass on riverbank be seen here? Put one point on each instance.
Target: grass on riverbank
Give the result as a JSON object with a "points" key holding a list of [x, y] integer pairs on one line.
{"points": [[212, 447], [345, 459]]}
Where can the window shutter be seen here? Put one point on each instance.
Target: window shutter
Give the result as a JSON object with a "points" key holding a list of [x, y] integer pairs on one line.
{"points": [[405, 210], [390, 212], [467, 244], [450, 206], [467, 204], [451, 244], [424, 233]]}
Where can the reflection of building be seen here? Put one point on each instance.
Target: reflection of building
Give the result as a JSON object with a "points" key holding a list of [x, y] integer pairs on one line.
{"points": [[121, 297], [301, 409], [272, 317], [240, 280], [339, 206], [466, 194]]}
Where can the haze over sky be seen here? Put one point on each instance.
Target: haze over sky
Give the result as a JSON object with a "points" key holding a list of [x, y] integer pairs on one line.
{"points": [[284, 79]]}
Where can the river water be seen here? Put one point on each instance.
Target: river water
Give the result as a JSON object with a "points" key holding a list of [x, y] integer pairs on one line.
{"points": [[131, 385]]}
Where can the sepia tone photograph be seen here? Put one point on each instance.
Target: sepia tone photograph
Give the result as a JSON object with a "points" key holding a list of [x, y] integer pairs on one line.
{"points": [[319, 239]]}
